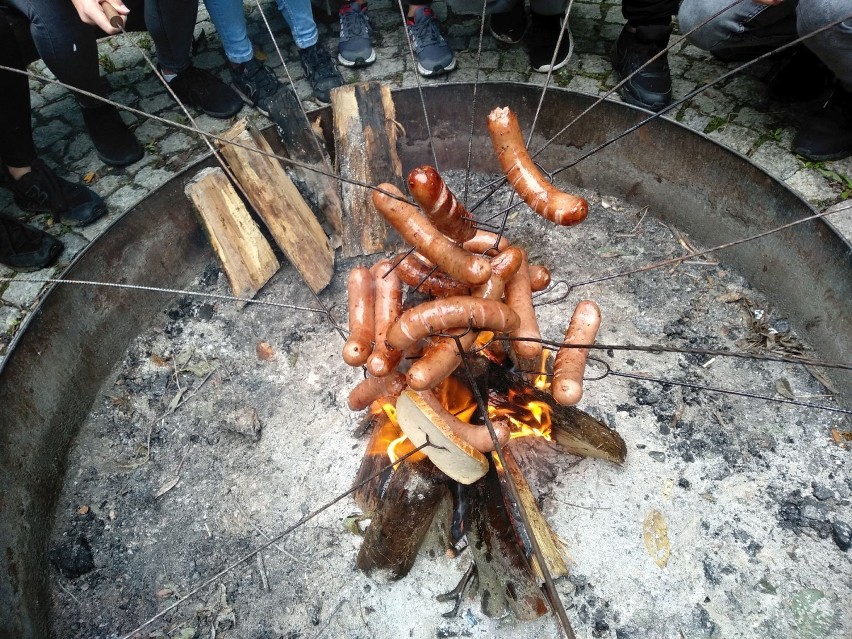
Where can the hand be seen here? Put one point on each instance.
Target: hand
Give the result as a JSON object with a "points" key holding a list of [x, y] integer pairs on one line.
{"points": [[769, 3], [91, 12]]}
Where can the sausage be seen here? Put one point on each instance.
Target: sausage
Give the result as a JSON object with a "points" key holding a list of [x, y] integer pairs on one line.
{"points": [[539, 277], [460, 311], [429, 241], [485, 241], [440, 204], [570, 364], [372, 388], [388, 306], [414, 271], [361, 291], [519, 299], [533, 188], [442, 356], [476, 436]]}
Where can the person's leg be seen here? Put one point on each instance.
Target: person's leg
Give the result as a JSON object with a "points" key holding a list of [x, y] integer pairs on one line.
{"points": [[635, 53], [507, 20], [828, 134], [229, 18], [16, 133], [746, 25], [434, 55], [546, 27]]}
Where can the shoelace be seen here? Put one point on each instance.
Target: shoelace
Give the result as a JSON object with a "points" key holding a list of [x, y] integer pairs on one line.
{"points": [[318, 65], [425, 32], [354, 23], [262, 78]]}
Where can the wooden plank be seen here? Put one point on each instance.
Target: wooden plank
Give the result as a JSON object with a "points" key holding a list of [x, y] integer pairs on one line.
{"points": [[365, 138], [247, 259], [279, 204], [303, 144]]}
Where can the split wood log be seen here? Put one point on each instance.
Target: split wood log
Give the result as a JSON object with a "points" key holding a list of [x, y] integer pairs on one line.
{"points": [[450, 453], [247, 259], [303, 144], [280, 205], [505, 577], [544, 534], [365, 137], [375, 457], [575, 430], [408, 504]]}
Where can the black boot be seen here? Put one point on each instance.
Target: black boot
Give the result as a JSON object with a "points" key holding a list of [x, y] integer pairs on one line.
{"points": [[827, 135], [650, 88], [42, 191], [800, 77], [114, 143], [541, 42], [25, 247]]}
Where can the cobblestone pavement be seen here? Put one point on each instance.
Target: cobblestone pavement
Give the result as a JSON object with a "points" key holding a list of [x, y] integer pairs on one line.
{"points": [[736, 113]]}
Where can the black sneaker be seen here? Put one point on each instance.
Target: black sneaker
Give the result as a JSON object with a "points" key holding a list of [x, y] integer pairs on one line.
{"points": [[114, 142], [355, 48], [320, 72], [25, 247], [544, 34], [828, 133], [434, 56], [202, 90], [650, 88], [255, 83], [42, 191], [509, 27], [799, 77]]}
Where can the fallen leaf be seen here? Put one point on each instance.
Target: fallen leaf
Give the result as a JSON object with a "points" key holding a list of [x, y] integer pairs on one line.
{"points": [[165, 593], [264, 351], [167, 487], [156, 360], [783, 388], [82, 510], [183, 359], [185, 633], [729, 298], [175, 401], [822, 379], [655, 532], [840, 437], [89, 177], [198, 370]]}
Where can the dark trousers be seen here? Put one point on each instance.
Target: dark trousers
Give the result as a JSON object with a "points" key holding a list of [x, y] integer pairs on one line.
{"points": [[16, 133], [640, 13], [69, 48]]}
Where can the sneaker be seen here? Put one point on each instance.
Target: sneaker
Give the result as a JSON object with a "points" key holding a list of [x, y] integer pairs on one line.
{"points": [[202, 90], [355, 48], [255, 83], [434, 56], [828, 133], [42, 191], [650, 88], [509, 27], [25, 247], [320, 72], [544, 34], [114, 142], [800, 77]]}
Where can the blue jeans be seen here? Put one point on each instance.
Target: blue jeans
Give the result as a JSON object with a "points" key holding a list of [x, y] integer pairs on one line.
{"points": [[749, 24], [229, 18]]}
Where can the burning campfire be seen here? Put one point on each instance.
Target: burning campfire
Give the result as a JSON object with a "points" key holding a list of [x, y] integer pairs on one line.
{"points": [[456, 377]]}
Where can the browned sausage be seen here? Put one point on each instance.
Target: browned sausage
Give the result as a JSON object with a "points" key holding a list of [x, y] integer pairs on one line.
{"points": [[539, 277], [388, 306], [372, 388], [442, 356], [414, 271], [361, 291], [440, 204], [570, 364], [418, 231], [460, 311], [539, 194], [476, 436], [519, 299]]}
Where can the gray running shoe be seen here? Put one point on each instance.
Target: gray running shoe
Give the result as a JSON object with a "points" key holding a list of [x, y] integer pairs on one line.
{"points": [[355, 48], [434, 55]]}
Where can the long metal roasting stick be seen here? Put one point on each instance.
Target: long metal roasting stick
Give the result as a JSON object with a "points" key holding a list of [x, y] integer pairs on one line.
{"points": [[271, 541], [549, 586]]}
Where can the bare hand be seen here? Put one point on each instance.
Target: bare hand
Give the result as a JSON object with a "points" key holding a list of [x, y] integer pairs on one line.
{"points": [[91, 12], [769, 3]]}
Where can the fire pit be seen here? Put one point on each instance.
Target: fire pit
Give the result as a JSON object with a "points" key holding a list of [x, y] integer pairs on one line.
{"points": [[69, 349]]}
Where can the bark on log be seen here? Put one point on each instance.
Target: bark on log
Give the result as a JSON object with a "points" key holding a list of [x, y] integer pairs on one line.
{"points": [[280, 205], [247, 259], [375, 457], [544, 534], [408, 504], [301, 143], [506, 580], [365, 150]]}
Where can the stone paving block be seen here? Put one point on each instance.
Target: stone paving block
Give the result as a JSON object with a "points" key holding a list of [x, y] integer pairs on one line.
{"points": [[775, 160], [125, 197], [51, 132], [811, 186], [175, 143], [614, 16], [23, 291], [735, 137], [582, 84], [694, 119], [74, 243], [10, 317], [156, 104], [150, 178], [586, 10], [150, 130], [595, 64], [149, 87]]}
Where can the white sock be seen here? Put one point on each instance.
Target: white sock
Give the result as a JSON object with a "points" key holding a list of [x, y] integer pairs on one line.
{"points": [[168, 77]]}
